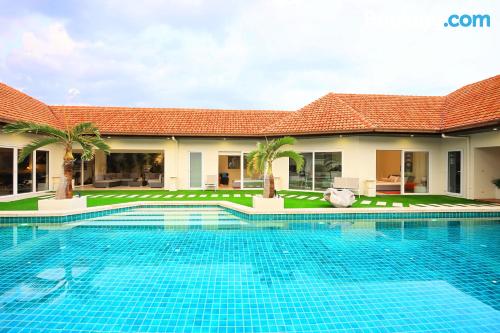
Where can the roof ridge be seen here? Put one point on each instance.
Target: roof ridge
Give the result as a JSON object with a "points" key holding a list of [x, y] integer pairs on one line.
{"points": [[294, 113], [11, 90], [388, 95], [135, 108], [480, 82], [359, 113]]}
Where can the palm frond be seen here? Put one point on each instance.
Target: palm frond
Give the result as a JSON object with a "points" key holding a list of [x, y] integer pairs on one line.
{"points": [[97, 142], [280, 142], [87, 149], [31, 147], [293, 155], [84, 129], [31, 127]]}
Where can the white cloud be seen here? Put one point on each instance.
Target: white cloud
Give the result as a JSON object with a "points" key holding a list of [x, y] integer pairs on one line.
{"points": [[73, 93], [267, 54]]}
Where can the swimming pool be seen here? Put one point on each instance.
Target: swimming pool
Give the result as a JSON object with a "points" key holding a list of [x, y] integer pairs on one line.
{"points": [[206, 270]]}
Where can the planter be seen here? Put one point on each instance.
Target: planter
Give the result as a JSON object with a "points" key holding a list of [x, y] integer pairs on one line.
{"points": [[63, 204], [268, 204]]}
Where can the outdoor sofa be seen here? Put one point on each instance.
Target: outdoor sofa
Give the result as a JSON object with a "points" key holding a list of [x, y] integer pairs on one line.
{"points": [[114, 179]]}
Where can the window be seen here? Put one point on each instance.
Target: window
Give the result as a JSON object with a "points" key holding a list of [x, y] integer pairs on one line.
{"points": [[42, 170], [326, 167], [416, 171], [6, 171], [25, 174], [195, 170]]}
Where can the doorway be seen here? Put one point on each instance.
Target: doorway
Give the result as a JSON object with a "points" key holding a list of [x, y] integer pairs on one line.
{"points": [[230, 170], [388, 171]]}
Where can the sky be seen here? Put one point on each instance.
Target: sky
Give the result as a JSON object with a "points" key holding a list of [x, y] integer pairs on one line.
{"points": [[270, 54]]}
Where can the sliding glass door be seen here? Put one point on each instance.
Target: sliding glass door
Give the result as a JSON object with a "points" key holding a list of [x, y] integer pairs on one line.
{"points": [[301, 180], [318, 172], [416, 171], [6, 171], [42, 170], [195, 170], [326, 167], [25, 174], [455, 172]]}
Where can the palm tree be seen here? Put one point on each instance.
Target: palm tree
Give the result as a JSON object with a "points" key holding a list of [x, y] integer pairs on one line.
{"points": [[261, 160], [85, 134]]}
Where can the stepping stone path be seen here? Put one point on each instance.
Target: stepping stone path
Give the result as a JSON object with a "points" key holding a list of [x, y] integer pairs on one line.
{"points": [[214, 196], [121, 195], [192, 196], [145, 196], [179, 196], [237, 195], [168, 196], [366, 202], [203, 195], [397, 204], [302, 197], [225, 195], [291, 195], [156, 196], [313, 198], [381, 203], [93, 196], [133, 196], [248, 195], [109, 196]]}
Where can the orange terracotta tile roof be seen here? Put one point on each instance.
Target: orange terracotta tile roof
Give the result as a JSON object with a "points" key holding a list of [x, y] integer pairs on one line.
{"points": [[171, 121], [475, 105], [344, 113], [15, 105]]}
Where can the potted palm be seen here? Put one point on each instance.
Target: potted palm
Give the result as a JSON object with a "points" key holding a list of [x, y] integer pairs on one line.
{"points": [[85, 135], [261, 160]]}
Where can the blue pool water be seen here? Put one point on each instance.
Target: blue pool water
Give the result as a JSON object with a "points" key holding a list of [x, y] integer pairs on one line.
{"points": [[205, 270]]}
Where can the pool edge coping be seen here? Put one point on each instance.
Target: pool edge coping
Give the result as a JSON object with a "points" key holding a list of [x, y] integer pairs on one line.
{"points": [[251, 211]]}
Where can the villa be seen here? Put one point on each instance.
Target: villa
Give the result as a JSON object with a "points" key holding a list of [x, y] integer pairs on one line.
{"points": [[392, 144]]}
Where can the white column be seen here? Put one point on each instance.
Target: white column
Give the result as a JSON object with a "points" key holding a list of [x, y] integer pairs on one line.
{"points": [[313, 186], [165, 177], [14, 173], [242, 171], [33, 169]]}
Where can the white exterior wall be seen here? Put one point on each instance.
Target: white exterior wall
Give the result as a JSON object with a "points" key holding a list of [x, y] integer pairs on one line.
{"points": [[358, 156], [485, 164], [210, 149]]}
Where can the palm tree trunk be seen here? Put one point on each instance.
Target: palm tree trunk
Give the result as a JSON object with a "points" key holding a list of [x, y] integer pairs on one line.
{"points": [[68, 173], [269, 188]]}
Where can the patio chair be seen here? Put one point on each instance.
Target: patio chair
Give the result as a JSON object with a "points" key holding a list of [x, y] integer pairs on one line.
{"points": [[345, 183], [156, 183], [212, 181]]}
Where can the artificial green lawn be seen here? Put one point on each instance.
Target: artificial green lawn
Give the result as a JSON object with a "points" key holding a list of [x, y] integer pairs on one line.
{"points": [[32, 203]]}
